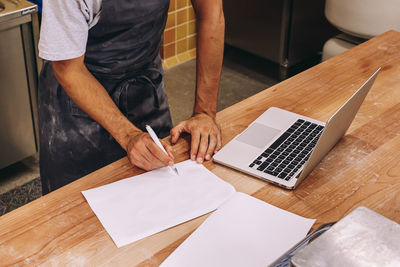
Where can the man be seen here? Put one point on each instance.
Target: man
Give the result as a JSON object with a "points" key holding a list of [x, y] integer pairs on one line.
{"points": [[102, 82]]}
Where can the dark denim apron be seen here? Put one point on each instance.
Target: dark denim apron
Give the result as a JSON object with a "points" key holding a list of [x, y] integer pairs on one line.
{"points": [[123, 54]]}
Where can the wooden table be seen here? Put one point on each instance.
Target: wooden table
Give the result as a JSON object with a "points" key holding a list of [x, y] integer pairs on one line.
{"points": [[363, 169]]}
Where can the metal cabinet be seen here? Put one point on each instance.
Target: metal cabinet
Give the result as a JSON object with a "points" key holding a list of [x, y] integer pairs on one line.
{"points": [[18, 81], [286, 32]]}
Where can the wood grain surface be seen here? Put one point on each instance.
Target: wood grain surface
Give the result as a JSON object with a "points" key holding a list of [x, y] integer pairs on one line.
{"points": [[363, 169]]}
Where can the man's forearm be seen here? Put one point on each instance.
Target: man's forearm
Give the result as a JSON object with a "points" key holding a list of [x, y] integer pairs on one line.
{"points": [[210, 46], [92, 98]]}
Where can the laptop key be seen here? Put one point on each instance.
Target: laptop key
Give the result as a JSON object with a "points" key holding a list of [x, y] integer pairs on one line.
{"points": [[282, 175], [315, 131], [299, 159], [282, 165], [311, 146], [269, 172], [288, 170], [312, 126], [262, 166], [280, 140], [251, 165]]}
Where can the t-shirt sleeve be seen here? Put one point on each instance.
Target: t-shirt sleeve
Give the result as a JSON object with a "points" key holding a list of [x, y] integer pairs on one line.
{"points": [[64, 29]]}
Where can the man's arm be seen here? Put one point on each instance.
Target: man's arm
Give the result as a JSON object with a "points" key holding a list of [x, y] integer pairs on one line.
{"points": [[83, 88], [206, 135]]}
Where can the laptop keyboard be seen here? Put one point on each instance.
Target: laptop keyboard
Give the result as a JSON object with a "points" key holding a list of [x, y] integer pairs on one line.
{"points": [[290, 151]]}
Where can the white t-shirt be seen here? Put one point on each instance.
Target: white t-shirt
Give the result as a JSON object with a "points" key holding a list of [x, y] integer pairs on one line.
{"points": [[65, 27]]}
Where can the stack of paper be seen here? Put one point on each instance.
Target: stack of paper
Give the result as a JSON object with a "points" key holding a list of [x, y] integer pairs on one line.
{"points": [[244, 231], [137, 207]]}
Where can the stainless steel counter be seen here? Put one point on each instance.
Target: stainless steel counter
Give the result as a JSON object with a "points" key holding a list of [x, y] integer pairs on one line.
{"points": [[18, 80], [362, 238], [10, 9]]}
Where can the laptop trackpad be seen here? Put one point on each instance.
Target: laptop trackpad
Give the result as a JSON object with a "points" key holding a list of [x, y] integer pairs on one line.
{"points": [[258, 135]]}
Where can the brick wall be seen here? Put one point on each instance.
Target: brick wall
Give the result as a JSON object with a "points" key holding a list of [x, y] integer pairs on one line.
{"points": [[179, 43]]}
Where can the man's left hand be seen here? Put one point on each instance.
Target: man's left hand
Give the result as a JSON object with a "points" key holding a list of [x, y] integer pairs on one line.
{"points": [[206, 136]]}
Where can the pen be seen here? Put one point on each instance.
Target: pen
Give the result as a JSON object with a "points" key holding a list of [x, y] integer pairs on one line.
{"points": [[158, 143]]}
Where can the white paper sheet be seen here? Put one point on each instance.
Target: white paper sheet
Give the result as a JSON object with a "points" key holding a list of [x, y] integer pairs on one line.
{"points": [[137, 207], [244, 231]]}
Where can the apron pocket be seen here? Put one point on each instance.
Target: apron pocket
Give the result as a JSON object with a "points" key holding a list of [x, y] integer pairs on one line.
{"points": [[75, 111], [68, 106], [139, 97]]}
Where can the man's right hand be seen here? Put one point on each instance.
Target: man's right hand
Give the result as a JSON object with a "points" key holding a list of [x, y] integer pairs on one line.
{"points": [[145, 154]]}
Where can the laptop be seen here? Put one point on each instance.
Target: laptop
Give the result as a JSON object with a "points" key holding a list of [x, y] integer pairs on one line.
{"points": [[282, 147]]}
